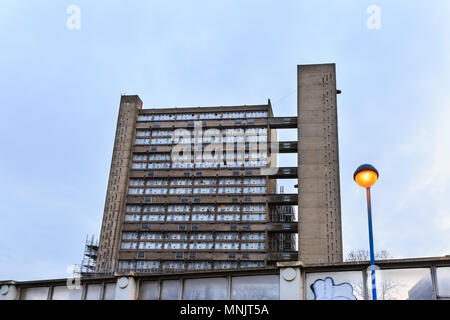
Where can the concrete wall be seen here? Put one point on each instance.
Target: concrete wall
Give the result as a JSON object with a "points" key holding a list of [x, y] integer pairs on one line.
{"points": [[118, 181], [320, 234], [413, 279]]}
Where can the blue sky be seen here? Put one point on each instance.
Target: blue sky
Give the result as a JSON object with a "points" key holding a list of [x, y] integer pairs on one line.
{"points": [[60, 92]]}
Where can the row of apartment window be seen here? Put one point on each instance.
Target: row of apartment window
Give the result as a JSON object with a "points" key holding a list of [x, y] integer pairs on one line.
{"points": [[202, 156], [201, 165], [185, 140], [197, 208], [194, 245], [196, 182], [193, 236], [205, 116], [195, 217], [194, 265], [151, 157], [207, 132], [203, 190]]}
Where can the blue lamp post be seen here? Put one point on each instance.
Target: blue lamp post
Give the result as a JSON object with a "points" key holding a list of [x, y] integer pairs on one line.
{"points": [[365, 176]]}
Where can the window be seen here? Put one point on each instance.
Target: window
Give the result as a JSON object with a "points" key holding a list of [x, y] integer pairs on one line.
{"points": [[129, 236], [205, 190], [133, 208], [178, 208], [128, 245], [227, 245], [161, 133], [228, 217], [266, 287], [139, 165], [156, 191], [173, 265], [254, 208], [139, 157], [253, 236], [201, 236], [204, 289], [187, 116], [151, 236], [144, 117], [229, 190], [227, 236], [257, 163], [255, 189], [148, 290], [177, 217], [158, 165], [137, 182], [200, 265], [142, 133], [154, 208], [135, 191], [176, 236], [158, 141], [142, 141], [157, 182], [153, 217], [254, 217], [150, 245], [233, 115], [163, 117], [180, 191], [93, 292], [223, 265], [37, 293], [200, 245], [171, 288], [175, 245], [182, 165], [205, 182], [255, 181], [159, 156], [203, 208], [253, 246], [230, 181], [257, 114], [181, 182], [132, 217], [144, 265], [202, 217], [228, 208], [210, 116]]}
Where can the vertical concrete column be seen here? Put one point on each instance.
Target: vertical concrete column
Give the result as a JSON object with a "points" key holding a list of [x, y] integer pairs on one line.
{"points": [[291, 283], [110, 235], [8, 291], [126, 288], [319, 205]]}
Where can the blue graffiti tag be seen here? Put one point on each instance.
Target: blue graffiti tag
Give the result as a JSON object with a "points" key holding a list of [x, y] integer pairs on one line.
{"points": [[327, 290]]}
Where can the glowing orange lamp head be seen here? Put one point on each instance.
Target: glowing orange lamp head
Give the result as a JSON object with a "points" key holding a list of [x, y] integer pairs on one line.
{"points": [[366, 175]]}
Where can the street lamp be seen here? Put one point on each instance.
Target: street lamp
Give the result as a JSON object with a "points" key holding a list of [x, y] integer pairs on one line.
{"points": [[365, 176]]}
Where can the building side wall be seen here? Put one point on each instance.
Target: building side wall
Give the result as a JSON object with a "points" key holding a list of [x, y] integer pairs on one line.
{"points": [[118, 182], [320, 238]]}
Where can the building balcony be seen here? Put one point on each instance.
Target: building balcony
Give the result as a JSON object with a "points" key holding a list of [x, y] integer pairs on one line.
{"points": [[283, 122], [286, 199]]}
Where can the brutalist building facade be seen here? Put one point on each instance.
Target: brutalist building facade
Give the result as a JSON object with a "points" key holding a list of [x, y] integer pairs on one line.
{"points": [[196, 188]]}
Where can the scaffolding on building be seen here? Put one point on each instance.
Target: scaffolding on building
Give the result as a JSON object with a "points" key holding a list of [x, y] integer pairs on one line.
{"points": [[89, 261], [282, 213], [282, 242]]}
